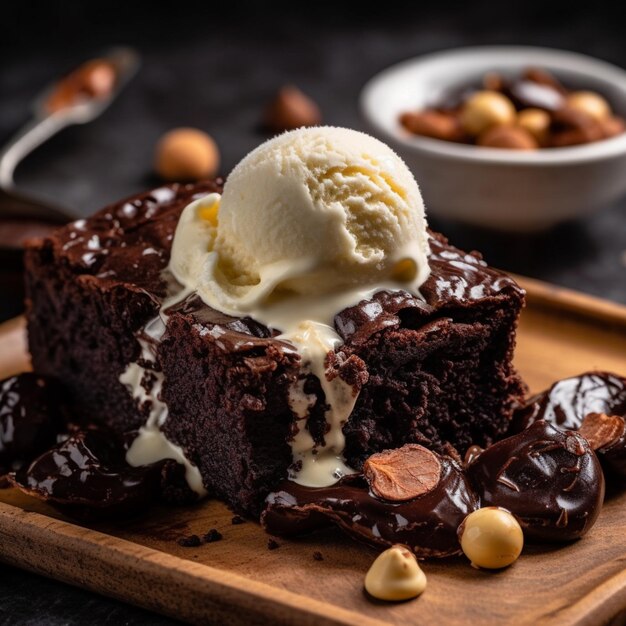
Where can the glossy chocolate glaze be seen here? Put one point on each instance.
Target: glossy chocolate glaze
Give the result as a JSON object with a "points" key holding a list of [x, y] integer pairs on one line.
{"points": [[129, 241], [87, 476], [427, 524], [568, 401], [31, 416], [549, 478]]}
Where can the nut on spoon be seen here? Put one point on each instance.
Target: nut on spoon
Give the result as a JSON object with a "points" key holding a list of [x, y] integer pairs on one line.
{"points": [[76, 99]]}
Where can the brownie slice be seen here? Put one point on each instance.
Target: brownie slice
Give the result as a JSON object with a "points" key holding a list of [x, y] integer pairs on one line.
{"points": [[436, 371]]}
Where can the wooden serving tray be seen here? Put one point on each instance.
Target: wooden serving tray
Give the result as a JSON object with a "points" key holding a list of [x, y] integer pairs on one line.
{"points": [[239, 581]]}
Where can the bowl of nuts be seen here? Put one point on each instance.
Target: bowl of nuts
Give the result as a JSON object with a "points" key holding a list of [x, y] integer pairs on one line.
{"points": [[509, 138]]}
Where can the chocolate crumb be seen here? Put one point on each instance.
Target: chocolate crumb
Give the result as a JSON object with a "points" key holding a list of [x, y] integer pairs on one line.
{"points": [[212, 536], [272, 544], [318, 556], [193, 541], [237, 520]]}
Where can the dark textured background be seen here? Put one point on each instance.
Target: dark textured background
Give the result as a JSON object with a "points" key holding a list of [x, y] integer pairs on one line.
{"points": [[213, 67]]}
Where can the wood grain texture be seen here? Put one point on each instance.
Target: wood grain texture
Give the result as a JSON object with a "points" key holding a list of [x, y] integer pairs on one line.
{"points": [[239, 581]]}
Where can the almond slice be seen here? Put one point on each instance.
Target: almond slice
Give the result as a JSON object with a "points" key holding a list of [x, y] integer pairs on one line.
{"points": [[404, 473]]}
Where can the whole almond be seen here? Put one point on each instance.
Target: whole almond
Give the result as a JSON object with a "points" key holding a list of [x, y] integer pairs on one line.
{"points": [[404, 473], [571, 127], [435, 124], [601, 430], [510, 137], [291, 109]]}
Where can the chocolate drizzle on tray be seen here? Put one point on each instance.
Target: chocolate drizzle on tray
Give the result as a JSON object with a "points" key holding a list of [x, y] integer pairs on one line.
{"points": [[426, 524]]}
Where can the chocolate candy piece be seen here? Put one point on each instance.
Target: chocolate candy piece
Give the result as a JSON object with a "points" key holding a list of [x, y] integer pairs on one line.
{"points": [[549, 478], [568, 401], [527, 93], [31, 416], [427, 524], [87, 476]]}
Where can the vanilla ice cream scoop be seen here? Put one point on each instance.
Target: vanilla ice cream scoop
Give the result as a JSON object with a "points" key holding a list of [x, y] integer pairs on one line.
{"points": [[309, 223], [311, 211]]}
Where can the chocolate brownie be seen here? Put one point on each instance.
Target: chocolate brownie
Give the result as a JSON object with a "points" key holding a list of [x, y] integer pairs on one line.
{"points": [[436, 371]]}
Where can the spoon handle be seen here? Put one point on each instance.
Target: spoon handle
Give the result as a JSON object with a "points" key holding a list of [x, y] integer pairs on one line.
{"points": [[29, 137]]}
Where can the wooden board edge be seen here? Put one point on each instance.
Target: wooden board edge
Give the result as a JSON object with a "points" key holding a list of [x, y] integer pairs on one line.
{"points": [[547, 295], [602, 605], [111, 566]]}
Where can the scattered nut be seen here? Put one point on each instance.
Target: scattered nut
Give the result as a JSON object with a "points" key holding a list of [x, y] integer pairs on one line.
{"points": [[433, 124], [186, 154], [486, 109], [602, 431], [589, 102], [491, 538], [403, 473], [291, 109], [536, 122], [395, 575], [511, 137]]}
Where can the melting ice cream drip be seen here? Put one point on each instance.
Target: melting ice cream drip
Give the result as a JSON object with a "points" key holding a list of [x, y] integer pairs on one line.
{"points": [[145, 383], [317, 465]]}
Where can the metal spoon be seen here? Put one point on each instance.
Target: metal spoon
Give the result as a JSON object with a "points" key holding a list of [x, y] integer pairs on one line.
{"points": [[45, 124]]}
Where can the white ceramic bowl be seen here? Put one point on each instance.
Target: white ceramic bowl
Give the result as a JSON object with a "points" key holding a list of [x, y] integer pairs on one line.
{"points": [[502, 189]]}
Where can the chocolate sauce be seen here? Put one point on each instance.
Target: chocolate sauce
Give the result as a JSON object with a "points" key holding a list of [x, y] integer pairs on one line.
{"points": [[87, 476], [549, 478], [427, 524], [568, 401], [31, 416], [130, 241]]}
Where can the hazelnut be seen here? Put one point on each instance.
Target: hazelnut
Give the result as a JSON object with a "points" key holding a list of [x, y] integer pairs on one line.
{"points": [[395, 575], [491, 538], [589, 102], [291, 109], [485, 109], [536, 122], [433, 124], [186, 154], [511, 137]]}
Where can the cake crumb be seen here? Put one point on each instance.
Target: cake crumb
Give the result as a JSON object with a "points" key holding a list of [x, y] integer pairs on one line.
{"points": [[193, 541], [272, 544], [212, 536], [237, 520], [318, 556]]}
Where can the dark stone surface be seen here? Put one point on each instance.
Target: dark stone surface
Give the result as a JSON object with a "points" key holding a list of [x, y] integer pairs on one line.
{"points": [[214, 67]]}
